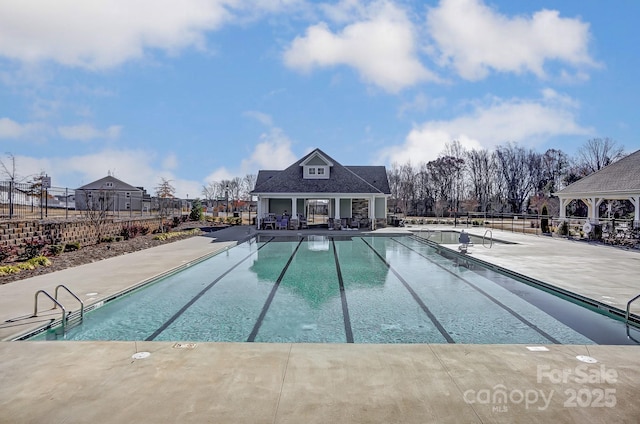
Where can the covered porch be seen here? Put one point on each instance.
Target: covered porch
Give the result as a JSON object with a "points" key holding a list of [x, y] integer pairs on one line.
{"points": [[337, 211]]}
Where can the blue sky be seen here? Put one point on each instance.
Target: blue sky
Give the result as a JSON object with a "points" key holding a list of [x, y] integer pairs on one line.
{"points": [[203, 90]]}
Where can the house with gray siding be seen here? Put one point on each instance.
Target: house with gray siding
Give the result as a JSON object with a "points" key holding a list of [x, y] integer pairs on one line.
{"points": [[346, 191], [112, 194]]}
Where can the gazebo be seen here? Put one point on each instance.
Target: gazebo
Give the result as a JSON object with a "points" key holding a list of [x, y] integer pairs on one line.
{"points": [[618, 181]]}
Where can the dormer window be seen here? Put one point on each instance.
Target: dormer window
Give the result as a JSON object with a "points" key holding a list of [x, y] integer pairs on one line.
{"points": [[109, 184], [316, 166]]}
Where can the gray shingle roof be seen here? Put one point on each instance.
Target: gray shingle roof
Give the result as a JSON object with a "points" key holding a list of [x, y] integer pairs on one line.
{"points": [[620, 176], [342, 179], [101, 185]]}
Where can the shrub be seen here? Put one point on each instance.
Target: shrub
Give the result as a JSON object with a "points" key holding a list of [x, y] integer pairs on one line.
{"points": [[8, 269], [173, 234], [25, 266], [544, 221], [176, 221], [32, 248], [108, 239], [6, 252], [196, 211], [70, 247], [144, 230], [130, 231], [56, 249], [564, 229], [39, 261], [118, 238], [232, 220]]}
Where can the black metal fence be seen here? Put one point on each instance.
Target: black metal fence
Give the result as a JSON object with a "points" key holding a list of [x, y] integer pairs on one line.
{"points": [[26, 201]]}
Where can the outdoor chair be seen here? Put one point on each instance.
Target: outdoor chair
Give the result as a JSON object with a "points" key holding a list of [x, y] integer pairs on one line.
{"points": [[284, 223]]}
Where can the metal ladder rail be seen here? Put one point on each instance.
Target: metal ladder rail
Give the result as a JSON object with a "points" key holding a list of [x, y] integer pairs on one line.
{"points": [[626, 316], [72, 294], [490, 239], [64, 311], [424, 229]]}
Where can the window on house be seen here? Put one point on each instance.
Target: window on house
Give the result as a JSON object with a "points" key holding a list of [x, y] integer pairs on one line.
{"points": [[109, 184], [312, 171], [127, 195], [320, 171]]}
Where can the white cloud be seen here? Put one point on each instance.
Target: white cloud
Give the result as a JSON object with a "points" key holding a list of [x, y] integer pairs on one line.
{"points": [[261, 117], [15, 130], [272, 152], [136, 167], [527, 122], [85, 132], [170, 161], [103, 33], [381, 47], [476, 39]]}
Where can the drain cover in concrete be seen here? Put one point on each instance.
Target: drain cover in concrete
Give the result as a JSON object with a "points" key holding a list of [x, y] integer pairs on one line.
{"points": [[587, 359], [184, 346], [537, 348], [141, 355]]}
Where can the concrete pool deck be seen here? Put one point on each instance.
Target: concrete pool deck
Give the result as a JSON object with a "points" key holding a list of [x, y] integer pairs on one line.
{"points": [[77, 382]]}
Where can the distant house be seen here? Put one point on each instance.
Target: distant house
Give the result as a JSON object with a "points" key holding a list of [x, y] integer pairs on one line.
{"points": [[112, 194], [345, 191]]}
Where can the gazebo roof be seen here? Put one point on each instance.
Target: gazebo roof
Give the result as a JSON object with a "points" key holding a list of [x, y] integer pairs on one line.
{"points": [[621, 177]]}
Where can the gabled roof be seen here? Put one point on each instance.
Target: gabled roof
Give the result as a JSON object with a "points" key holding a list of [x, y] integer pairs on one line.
{"points": [[101, 184], [622, 176], [342, 179]]}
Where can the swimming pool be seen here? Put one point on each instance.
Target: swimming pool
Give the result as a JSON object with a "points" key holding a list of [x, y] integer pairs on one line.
{"points": [[361, 289]]}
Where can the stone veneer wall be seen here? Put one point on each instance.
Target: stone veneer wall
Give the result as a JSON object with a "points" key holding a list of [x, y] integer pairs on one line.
{"points": [[14, 233]]}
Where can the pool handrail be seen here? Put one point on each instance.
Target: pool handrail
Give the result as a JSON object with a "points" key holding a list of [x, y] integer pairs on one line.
{"points": [[490, 239], [626, 317], [64, 311], [72, 294]]}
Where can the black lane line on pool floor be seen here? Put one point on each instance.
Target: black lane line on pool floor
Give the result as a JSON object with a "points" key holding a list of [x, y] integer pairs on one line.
{"points": [[419, 301], [491, 298], [343, 297], [199, 295], [272, 294]]}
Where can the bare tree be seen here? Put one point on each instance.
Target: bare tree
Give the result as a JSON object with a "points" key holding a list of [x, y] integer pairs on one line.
{"points": [[482, 170], [394, 177], [95, 206], [166, 197], [517, 170], [423, 190], [443, 173], [555, 166], [407, 191], [597, 153], [248, 184], [455, 150]]}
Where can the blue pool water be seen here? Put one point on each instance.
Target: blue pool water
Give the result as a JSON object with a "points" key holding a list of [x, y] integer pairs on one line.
{"points": [[362, 289]]}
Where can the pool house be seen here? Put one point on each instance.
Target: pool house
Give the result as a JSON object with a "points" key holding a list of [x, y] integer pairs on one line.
{"points": [[349, 196]]}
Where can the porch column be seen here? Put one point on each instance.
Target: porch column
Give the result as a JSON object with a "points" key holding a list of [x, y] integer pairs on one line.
{"points": [[258, 212], [635, 200], [372, 212], [336, 212], [592, 208], [563, 207], [294, 207]]}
